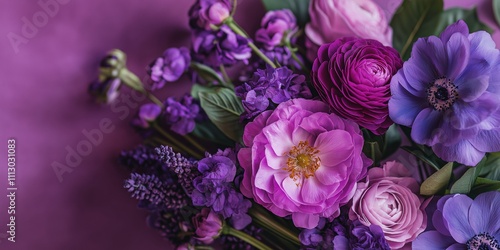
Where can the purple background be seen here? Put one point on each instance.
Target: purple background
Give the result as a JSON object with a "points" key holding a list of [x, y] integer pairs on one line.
{"points": [[45, 107]]}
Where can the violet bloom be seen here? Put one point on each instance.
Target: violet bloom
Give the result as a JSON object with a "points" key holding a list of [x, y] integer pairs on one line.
{"points": [[170, 66], [361, 237], [449, 93], [463, 223], [221, 46], [147, 114], [271, 86], [205, 13], [214, 189], [277, 27], [181, 115], [105, 91]]}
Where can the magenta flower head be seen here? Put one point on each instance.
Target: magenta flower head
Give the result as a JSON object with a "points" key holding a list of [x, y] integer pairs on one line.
{"points": [[333, 19], [464, 223], [448, 92], [170, 66], [205, 13], [208, 226], [352, 75], [389, 199], [277, 26], [147, 114], [302, 161]]}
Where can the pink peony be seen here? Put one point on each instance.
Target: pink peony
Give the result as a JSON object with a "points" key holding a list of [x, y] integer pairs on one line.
{"points": [[302, 161], [353, 75], [389, 199], [332, 19]]}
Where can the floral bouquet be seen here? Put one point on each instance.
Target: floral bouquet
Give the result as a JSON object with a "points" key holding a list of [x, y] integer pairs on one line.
{"points": [[333, 127]]}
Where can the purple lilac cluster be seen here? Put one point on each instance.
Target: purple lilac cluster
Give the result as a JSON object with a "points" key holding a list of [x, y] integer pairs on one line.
{"points": [[343, 233], [184, 168], [270, 87], [215, 188], [181, 115], [220, 47]]}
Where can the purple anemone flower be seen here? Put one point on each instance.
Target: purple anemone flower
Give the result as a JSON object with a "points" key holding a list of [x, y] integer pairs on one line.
{"points": [[449, 93], [463, 223]]}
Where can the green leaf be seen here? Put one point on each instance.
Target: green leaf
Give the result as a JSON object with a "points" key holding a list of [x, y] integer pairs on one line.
{"points": [[197, 89], [450, 16], [429, 159], [482, 185], [437, 181], [392, 141], [491, 168], [223, 108], [408, 22], [496, 10], [300, 8], [465, 183], [208, 131]]}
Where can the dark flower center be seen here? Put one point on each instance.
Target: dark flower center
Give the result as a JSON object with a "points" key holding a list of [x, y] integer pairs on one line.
{"points": [[482, 241], [442, 93]]}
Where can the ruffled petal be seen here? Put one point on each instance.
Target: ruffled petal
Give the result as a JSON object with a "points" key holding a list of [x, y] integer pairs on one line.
{"points": [[308, 221], [469, 114], [487, 140], [459, 27]]}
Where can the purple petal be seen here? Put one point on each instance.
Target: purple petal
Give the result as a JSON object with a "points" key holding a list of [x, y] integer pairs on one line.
{"points": [[456, 213], [457, 246], [428, 60], [308, 221], [432, 240], [341, 242], [461, 152], [472, 82], [487, 140], [482, 47], [425, 125], [469, 114], [484, 213], [459, 27], [458, 50], [403, 106]]}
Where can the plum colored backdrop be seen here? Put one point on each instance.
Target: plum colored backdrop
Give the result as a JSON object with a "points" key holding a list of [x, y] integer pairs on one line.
{"points": [[45, 107]]}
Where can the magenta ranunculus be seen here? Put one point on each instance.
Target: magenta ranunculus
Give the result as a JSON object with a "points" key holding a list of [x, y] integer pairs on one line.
{"points": [[208, 226], [353, 75], [302, 161], [389, 199], [333, 19]]}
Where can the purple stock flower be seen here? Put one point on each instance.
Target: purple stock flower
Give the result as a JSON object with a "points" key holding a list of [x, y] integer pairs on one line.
{"points": [[181, 115], [147, 114], [271, 86], [449, 93], [105, 91], [361, 237], [205, 13], [221, 46], [463, 223], [276, 27], [170, 66], [214, 188]]}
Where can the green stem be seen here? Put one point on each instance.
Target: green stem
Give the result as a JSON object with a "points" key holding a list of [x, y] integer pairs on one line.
{"points": [[226, 76], [273, 226], [294, 56], [155, 100], [205, 71], [176, 142], [245, 237], [195, 143], [232, 24]]}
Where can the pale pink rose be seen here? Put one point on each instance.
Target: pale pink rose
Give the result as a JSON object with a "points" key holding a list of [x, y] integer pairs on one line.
{"points": [[332, 19], [389, 199]]}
